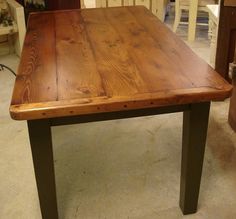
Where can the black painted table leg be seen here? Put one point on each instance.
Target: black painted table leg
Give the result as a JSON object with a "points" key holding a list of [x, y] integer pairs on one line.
{"points": [[41, 146], [195, 123]]}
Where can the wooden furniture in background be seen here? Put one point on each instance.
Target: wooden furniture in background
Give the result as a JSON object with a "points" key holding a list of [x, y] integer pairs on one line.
{"points": [[232, 106], [17, 30], [111, 63], [62, 4], [213, 28], [53, 5], [193, 6], [226, 39], [58, 4], [231, 3], [17, 11], [157, 7], [8, 28], [226, 50]]}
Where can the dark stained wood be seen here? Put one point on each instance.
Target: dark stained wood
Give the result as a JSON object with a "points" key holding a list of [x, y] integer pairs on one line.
{"points": [[42, 153], [232, 106], [226, 50], [226, 39], [230, 3], [195, 123], [117, 115], [62, 4], [68, 4], [104, 60]]}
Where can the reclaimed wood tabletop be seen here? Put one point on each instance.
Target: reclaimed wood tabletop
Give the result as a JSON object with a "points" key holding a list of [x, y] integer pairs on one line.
{"points": [[78, 62]]}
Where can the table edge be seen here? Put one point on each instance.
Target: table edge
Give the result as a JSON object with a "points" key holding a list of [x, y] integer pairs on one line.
{"points": [[86, 106]]}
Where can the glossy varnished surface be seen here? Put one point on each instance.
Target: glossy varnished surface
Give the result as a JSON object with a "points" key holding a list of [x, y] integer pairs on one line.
{"points": [[101, 60]]}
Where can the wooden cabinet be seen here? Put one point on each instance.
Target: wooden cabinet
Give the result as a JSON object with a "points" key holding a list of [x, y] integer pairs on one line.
{"points": [[232, 107], [62, 4], [226, 39], [226, 50], [58, 4], [50, 5]]}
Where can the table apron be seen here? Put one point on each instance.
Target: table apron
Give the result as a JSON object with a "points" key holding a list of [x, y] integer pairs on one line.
{"points": [[117, 115]]}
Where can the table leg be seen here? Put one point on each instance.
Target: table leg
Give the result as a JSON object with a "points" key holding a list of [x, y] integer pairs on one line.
{"points": [[193, 8], [195, 123], [42, 152]]}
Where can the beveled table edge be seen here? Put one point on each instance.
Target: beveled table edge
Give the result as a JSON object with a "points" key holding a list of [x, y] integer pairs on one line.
{"points": [[86, 106]]}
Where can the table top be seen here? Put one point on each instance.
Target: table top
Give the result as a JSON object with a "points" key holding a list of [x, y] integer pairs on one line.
{"points": [[108, 59]]}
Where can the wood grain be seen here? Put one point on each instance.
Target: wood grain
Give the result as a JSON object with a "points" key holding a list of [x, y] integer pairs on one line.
{"points": [[115, 65], [76, 68], [37, 73], [107, 59]]}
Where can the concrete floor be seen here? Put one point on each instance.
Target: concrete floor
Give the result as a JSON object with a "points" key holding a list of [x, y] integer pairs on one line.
{"points": [[124, 169]]}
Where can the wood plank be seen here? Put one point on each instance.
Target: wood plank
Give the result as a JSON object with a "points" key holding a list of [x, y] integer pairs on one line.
{"points": [[144, 49], [181, 57], [37, 78], [118, 70], [76, 66]]}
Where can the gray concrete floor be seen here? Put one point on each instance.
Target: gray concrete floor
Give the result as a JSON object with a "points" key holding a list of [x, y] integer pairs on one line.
{"points": [[124, 169]]}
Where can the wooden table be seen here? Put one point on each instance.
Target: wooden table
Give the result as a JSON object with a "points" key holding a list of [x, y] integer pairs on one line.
{"points": [[100, 64]]}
